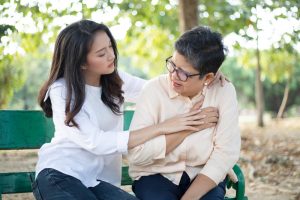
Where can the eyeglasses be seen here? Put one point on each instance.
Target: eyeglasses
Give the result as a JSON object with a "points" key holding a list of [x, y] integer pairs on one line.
{"points": [[181, 74]]}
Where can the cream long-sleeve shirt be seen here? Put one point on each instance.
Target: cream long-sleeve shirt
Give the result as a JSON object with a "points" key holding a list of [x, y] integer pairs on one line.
{"points": [[94, 151], [211, 152]]}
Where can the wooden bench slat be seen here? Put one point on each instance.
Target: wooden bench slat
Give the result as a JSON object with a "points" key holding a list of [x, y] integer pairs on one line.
{"points": [[24, 129], [16, 182]]}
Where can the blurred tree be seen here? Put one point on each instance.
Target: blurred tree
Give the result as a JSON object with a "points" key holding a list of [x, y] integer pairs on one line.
{"points": [[152, 27], [10, 76], [188, 14], [280, 65]]}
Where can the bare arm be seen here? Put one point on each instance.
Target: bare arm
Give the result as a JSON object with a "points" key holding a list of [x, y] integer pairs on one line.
{"points": [[200, 186], [188, 122], [210, 118]]}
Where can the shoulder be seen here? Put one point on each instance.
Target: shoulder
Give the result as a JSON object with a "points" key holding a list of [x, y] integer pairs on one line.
{"points": [[128, 77], [227, 89], [156, 84], [59, 83], [58, 88]]}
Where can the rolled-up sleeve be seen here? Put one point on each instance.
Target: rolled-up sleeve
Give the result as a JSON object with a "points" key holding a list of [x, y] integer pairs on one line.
{"points": [[145, 115], [227, 141], [87, 136]]}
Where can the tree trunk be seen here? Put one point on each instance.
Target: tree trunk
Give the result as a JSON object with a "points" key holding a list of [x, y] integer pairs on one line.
{"points": [[259, 94], [284, 99], [188, 14]]}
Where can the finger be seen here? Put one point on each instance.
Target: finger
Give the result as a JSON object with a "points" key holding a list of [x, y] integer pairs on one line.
{"points": [[222, 81], [195, 118], [209, 109], [210, 114], [211, 120], [191, 113], [198, 105], [195, 123]]}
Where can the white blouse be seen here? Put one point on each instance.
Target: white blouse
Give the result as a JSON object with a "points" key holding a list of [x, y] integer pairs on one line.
{"points": [[94, 151]]}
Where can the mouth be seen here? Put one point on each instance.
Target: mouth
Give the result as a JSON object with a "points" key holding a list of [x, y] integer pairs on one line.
{"points": [[175, 84], [111, 65]]}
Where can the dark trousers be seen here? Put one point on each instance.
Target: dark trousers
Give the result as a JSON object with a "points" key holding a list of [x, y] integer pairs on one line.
{"points": [[160, 188], [51, 184]]}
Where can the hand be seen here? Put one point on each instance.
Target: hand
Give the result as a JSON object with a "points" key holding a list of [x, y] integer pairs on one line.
{"points": [[211, 117], [189, 121], [219, 77], [198, 104]]}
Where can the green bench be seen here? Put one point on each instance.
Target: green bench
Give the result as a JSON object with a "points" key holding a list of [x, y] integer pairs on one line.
{"points": [[21, 130]]}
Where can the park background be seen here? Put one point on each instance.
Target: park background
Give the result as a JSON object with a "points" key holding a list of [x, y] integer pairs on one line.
{"points": [[263, 63]]}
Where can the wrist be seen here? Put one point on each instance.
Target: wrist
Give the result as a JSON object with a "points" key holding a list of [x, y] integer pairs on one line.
{"points": [[159, 130]]}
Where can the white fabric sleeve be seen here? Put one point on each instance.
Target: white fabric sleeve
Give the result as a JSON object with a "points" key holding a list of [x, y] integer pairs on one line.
{"points": [[87, 136], [132, 86]]}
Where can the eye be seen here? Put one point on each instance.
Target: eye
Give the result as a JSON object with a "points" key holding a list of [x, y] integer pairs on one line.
{"points": [[101, 55]]}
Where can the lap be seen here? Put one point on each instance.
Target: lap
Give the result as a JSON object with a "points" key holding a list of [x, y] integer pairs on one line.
{"points": [[54, 185], [160, 188], [156, 187], [217, 193], [107, 191]]}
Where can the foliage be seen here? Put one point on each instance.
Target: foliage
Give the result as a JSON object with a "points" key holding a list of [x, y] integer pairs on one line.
{"points": [[152, 29], [11, 79]]}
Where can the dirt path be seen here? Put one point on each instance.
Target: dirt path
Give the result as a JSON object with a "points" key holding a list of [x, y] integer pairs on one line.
{"points": [[270, 159]]}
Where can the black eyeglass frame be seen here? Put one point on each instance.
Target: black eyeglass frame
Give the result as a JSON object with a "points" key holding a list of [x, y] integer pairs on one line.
{"points": [[178, 70]]}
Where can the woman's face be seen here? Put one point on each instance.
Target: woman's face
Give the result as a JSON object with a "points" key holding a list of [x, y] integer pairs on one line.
{"points": [[101, 57], [193, 85]]}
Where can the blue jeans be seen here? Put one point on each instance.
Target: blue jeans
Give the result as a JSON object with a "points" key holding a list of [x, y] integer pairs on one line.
{"points": [[51, 184], [160, 188]]}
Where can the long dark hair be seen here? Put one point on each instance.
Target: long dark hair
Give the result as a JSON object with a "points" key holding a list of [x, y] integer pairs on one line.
{"points": [[70, 54]]}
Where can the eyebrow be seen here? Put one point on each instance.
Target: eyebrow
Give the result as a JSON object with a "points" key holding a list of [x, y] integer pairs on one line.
{"points": [[100, 50], [103, 48]]}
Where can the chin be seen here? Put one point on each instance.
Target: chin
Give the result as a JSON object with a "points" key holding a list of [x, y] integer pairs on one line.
{"points": [[109, 71], [179, 91]]}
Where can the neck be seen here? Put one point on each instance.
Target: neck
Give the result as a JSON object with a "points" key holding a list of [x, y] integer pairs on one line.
{"points": [[92, 80]]}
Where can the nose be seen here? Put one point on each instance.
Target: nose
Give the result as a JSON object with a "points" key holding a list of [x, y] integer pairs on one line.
{"points": [[174, 75], [111, 55]]}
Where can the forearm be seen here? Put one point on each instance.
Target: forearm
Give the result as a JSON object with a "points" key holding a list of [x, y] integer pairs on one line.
{"points": [[200, 186], [141, 136], [173, 140]]}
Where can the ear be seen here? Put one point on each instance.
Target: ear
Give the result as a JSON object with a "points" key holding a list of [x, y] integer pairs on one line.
{"points": [[208, 78]]}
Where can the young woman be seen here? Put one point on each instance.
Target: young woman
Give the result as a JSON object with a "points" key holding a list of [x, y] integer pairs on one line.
{"points": [[84, 95]]}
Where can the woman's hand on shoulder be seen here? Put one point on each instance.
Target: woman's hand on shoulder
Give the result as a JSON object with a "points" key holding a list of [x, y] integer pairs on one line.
{"points": [[219, 79]]}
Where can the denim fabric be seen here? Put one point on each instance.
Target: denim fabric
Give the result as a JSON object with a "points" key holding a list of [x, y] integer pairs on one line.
{"points": [[160, 188], [51, 184]]}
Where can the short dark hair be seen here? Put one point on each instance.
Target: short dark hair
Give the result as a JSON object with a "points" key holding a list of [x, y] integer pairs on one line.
{"points": [[203, 49]]}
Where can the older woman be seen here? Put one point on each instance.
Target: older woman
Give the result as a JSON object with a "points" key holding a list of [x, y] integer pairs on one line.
{"points": [[187, 165]]}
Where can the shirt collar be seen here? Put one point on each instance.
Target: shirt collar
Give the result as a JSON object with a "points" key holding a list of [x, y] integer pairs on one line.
{"points": [[173, 94]]}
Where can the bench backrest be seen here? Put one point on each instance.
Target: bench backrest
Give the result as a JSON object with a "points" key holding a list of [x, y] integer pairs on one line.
{"points": [[30, 130]]}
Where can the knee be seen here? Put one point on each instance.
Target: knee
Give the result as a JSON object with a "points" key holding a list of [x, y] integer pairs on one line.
{"points": [[215, 194]]}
